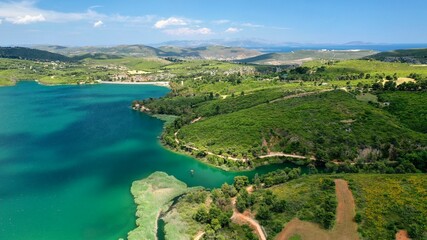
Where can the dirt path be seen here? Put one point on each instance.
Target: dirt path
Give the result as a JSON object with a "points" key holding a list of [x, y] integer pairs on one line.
{"points": [[345, 228], [279, 154], [176, 136], [240, 218], [246, 218], [301, 95], [199, 235]]}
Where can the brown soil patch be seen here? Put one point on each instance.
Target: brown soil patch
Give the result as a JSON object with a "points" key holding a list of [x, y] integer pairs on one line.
{"points": [[247, 218], [345, 228], [402, 235], [404, 80]]}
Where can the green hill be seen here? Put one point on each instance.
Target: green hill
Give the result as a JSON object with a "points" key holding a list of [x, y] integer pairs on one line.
{"points": [[330, 126], [299, 57], [209, 52], [413, 56], [31, 54]]}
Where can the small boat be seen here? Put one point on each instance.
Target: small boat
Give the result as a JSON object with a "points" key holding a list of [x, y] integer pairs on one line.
{"points": [[192, 172]]}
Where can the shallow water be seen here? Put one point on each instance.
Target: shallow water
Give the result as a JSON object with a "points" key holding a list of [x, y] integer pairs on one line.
{"points": [[69, 154]]}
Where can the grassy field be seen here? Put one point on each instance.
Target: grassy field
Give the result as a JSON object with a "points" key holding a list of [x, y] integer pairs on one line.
{"points": [[388, 203], [12, 70], [407, 55], [368, 67], [308, 198], [384, 203], [153, 195], [409, 107], [133, 63], [299, 57]]}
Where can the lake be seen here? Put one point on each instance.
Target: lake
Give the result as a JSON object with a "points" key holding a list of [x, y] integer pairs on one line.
{"points": [[69, 154]]}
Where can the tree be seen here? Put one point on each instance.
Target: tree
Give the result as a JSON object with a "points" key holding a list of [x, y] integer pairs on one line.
{"points": [[279, 206], [201, 215], [242, 200], [240, 182], [257, 181], [358, 218], [228, 190], [263, 213]]}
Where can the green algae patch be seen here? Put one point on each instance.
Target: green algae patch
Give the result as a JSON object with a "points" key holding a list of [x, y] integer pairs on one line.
{"points": [[153, 195]]}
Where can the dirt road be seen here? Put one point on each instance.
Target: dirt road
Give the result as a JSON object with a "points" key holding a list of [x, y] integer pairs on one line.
{"points": [[345, 228]]}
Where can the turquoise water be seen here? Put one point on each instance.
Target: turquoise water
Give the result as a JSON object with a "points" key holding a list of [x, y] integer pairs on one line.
{"points": [[69, 154]]}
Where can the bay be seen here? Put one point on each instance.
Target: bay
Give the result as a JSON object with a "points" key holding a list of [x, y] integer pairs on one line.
{"points": [[69, 154]]}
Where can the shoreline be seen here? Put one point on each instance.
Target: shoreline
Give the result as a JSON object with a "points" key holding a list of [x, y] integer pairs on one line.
{"points": [[162, 84]]}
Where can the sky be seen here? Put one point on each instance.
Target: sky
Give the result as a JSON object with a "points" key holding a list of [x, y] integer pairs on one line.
{"points": [[108, 22]]}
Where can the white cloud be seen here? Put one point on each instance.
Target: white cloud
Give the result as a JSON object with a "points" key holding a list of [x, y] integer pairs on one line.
{"points": [[172, 21], [26, 12], [188, 31], [26, 19], [252, 25], [233, 30], [1, 20], [98, 23], [221, 21]]}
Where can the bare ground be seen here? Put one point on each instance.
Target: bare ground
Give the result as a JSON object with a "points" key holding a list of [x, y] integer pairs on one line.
{"points": [[246, 218], [345, 228], [402, 235]]}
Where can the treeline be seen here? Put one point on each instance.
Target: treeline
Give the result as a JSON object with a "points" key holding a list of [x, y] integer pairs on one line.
{"points": [[420, 85]]}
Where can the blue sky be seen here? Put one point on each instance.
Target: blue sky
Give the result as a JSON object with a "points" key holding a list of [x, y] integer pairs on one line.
{"points": [[108, 22]]}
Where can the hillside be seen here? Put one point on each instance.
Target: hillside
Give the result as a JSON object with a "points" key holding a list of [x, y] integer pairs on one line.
{"points": [[413, 56], [320, 111], [299, 57], [210, 52], [128, 50], [329, 126], [31, 54]]}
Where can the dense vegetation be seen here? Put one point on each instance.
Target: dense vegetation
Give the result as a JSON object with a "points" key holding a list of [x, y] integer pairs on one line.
{"points": [[414, 56], [31, 54], [356, 128], [409, 107], [388, 203], [329, 126], [385, 204], [301, 56], [309, 199], [209, 52]]}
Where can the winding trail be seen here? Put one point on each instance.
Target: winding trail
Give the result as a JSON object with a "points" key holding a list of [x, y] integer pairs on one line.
{"points": [[279, 154], [345, 228], [245, 218]]}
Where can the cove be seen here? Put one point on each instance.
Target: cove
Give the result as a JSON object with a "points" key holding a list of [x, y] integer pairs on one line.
{"points": [[69, 154]]}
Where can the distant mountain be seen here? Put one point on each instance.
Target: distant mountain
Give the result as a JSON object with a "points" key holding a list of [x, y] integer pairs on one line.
{"points": [[414, 56], [31, 54], [207, 52], [358, 43], [243, 43], [129, 50], [299, 57]]}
